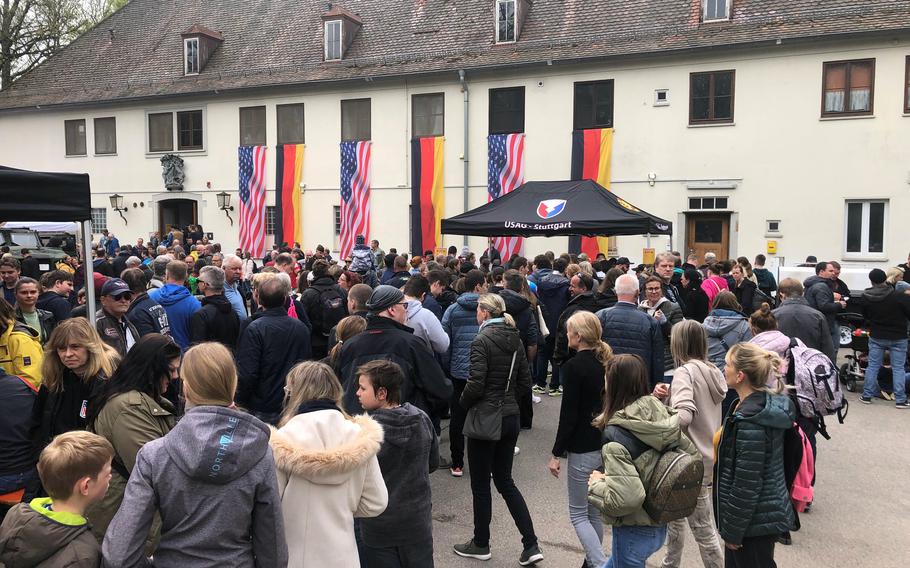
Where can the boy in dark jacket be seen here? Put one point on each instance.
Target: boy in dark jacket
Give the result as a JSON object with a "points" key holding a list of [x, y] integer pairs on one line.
{"points": [[887, 311], [52, 531], [403, 534]]}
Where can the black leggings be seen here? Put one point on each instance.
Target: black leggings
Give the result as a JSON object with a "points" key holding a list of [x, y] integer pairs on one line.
{"points": [[756, 552]]}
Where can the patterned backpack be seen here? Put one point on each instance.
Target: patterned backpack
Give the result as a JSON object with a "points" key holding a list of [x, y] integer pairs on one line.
{"points": [[817, 385]]}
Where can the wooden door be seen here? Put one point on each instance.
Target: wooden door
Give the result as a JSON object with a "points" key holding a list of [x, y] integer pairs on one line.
{"points": [[708, 233], [176, 212]]}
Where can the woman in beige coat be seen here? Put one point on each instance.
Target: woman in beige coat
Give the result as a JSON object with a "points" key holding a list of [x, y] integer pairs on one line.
{"points": [[697, 390], [328, 473]]}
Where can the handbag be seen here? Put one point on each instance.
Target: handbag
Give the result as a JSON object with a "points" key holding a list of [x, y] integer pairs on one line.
{"points": [[484, 420]]}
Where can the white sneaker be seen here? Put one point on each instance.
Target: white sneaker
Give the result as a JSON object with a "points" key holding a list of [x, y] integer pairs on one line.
{"points": [[535, 399], [517, 450]]}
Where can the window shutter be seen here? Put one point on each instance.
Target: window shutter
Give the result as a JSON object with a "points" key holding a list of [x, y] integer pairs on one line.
{"points": [[836, 77], [861, 76]]}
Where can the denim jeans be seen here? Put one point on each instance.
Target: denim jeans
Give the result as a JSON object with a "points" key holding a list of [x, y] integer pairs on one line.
{"points": [[701, 521], [544, 355], [898, 349], [585, 517], [456, 424], [495, 457], [632, 546]]}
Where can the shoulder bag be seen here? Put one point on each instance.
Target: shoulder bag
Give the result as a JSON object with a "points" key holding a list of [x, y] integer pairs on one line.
{"points": [[484, 420]]}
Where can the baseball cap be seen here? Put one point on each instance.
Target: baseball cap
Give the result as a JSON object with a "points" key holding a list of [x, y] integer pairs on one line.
{"points": [[115, 287]]}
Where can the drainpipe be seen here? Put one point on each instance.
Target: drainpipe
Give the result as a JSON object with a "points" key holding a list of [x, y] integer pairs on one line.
{"points": [[465, 142]]}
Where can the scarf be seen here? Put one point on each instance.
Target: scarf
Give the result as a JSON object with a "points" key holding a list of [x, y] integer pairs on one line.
{"points": [[317, 405]]}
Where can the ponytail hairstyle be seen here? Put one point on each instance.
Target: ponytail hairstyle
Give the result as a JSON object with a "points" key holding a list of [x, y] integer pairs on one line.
{"points": [[763, 319], [587, 326], [757, 365], [494, 305], [626, 382], [347, 328]]}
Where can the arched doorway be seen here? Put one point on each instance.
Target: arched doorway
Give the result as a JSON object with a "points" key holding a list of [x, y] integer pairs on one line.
{"points": [[177, 213]]}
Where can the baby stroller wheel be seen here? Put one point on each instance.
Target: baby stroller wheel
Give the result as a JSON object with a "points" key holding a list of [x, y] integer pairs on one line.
{"points": [[847, 378]]}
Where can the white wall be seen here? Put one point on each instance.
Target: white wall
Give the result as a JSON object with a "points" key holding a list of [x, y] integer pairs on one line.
{"points": [[787, 163]]}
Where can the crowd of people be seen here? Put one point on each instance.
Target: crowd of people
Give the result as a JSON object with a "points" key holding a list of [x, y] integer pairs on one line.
{"points": [[286, 411]]}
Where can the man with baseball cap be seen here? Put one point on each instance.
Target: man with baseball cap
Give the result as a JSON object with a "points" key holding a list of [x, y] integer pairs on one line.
{"points": [[386, 337], [887, 312], [111, 322]]}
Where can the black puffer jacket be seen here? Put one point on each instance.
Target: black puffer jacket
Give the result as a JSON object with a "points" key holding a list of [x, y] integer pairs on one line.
{"points": [[491, 359], [520, 308], [215, 321], [587, 301], [750, 490]]}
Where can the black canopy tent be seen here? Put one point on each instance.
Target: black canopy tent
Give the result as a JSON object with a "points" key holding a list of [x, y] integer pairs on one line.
{"points": [[557, 208], [50, 196]]}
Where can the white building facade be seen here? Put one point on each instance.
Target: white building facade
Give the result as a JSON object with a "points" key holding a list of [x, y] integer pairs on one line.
{"points": [[800, 143]]}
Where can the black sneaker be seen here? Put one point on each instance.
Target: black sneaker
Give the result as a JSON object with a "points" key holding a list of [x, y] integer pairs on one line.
{"points": [[530, 556], [471, 550], [866, 399], [902, 405]]}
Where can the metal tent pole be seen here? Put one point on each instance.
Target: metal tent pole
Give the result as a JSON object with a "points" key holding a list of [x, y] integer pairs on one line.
{"points": [[89, 272]]}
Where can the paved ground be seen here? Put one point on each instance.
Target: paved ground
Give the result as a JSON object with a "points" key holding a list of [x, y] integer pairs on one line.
{"points": [[861, 515]]}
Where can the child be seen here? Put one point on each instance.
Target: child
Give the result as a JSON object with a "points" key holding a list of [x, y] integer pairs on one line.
{"points": [[402, 536], [75, 469]]}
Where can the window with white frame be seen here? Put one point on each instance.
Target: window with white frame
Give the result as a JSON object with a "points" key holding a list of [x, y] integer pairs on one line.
{"points": [[99, 219], [707, 203], [505, 20], [336, 227], [270, 220], [715, 10], [191, 56], [865, 227], [333, 40]]}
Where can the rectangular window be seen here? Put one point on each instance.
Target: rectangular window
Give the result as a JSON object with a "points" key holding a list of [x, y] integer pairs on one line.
{"points": [[189, 130], [507, 110], [428, 115], [336, 219], [848, 87], [355, 119], [716, 10], [593, 105], [106, 135], [99, 219], [907, 86], [864, 230], [505, 21], [711, 97], [708, 202], [191, 56], [333, 40], [290, 124], [270, 220], [252, 126], [74, 131], [161, 132]]}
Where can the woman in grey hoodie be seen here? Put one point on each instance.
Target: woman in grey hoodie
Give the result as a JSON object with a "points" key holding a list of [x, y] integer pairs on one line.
{"points": [[212, 479], [725, 326]]}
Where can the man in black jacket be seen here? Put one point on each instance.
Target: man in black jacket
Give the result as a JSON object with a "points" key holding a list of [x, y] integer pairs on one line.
{"points": [[796, 318], [269, 346], [145, 313], [386, 337], [217, 320], [111, 322], [30, 267], [57, 285], [887, 311], [820, 295], [584, 298]]}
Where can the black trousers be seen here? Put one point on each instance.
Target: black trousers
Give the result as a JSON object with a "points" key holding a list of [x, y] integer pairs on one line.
{"points": [[456, 424], [495, 457], [756, 552]]}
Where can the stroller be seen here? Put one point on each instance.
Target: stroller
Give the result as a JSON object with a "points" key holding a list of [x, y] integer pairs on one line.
{"points": [[853, 372]]}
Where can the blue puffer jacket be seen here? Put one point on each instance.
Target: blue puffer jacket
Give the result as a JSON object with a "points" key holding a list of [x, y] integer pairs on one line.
{"points": [[553, 291], [630, 331], [460, 323]]}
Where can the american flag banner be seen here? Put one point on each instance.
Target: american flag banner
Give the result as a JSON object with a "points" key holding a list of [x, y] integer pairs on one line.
{"points": [[355, 194], [506, 171], [252, 199]]}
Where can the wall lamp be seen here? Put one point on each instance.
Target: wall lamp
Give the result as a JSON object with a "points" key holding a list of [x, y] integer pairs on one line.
{"points": [[224, 203], [117, 205]]}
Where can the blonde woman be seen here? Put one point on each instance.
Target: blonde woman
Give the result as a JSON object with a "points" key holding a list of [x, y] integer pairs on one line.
{"points": [[499, 375], [76, 363], [215, 464], [698, 388], [895, 277], [20, 347], [751, 497], [576, 438], [328, 472]]}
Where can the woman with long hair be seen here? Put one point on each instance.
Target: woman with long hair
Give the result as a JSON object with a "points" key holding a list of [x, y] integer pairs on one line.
{"points": [[499, 376], [20, 347], [744, 289], [576, 439], [130, 410], [632, 419], [750, 496], [76, 364], [328, 472], [725, 326], [696, 393], [695, 301], [215, 464], [345, 330]]}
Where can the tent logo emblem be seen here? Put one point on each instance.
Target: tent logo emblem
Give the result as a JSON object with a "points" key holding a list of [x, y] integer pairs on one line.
{"points": [[549, 208], [661, 226], [627, 205]]}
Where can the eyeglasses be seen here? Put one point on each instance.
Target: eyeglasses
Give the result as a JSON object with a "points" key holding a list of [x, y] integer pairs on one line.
{"points": [[127, 297]]}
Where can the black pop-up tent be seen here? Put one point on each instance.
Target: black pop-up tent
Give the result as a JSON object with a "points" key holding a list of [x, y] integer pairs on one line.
{"points": [[554, 208], [50, 196]]}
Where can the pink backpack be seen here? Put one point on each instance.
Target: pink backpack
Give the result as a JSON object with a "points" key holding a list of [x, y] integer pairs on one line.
{"points": [[801, 491]]}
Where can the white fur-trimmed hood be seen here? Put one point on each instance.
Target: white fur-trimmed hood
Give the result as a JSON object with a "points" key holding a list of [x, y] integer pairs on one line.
{"points": [[324, 447]]}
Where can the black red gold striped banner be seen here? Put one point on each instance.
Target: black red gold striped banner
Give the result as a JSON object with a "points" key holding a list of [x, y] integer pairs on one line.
{"points": [[427, 193], [288, 226], [591, 152]]}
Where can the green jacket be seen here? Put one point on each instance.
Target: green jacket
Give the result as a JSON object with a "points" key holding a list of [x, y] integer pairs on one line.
{"points": [[35, 536], [620, 494], [750, 489]]}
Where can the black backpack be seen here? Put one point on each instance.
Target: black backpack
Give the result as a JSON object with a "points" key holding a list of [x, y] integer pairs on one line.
{"points": [[331, 309]]}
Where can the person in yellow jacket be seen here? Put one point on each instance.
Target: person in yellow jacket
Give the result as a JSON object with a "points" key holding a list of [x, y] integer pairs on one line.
{"points": [[20, 347]]}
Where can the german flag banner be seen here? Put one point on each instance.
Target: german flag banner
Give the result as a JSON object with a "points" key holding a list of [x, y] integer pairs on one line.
{"points": [[427, 197], [288, 226], [591, 150]]}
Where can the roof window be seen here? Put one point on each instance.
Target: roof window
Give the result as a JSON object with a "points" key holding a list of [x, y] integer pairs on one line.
{"points": [[199, 43], [339, 29]]}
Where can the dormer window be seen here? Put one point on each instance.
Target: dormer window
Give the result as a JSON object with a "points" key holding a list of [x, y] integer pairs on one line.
{"points": [[339, 29], [191, 56], [333, 40], [716, 10], [505, 21]]}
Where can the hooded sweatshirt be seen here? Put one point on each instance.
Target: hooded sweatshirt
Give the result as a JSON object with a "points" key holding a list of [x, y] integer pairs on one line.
{"points": [[427, 327], [887, 312], [35, 536], [180, 305], [725, 328], [776, 342], [409, 452], [696, 392], [214, 482]]}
